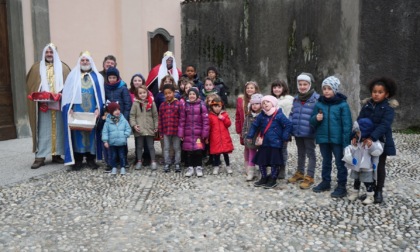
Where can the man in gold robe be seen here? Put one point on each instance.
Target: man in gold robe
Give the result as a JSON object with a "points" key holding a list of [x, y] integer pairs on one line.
{"points": [[45, 118]]}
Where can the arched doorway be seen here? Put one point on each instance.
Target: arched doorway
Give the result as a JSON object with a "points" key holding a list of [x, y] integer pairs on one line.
{"points": [[160, 41], [7, 124]]}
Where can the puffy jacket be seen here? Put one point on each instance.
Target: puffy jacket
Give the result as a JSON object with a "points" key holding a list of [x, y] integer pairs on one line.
{"points": [[286, 104], [220, 140], [193, 125], [119, 93], [240, 114], [116, 134], [301, 115], [382, 116], [336, 124], [146, 118], [278, 132]]}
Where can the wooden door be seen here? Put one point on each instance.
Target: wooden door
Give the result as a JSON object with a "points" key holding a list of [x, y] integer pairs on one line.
{"points": [[159, 45], [7, 124]]}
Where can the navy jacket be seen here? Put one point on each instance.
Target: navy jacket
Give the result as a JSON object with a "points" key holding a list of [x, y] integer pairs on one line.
{"points": [[301, 115], [119, 93]]}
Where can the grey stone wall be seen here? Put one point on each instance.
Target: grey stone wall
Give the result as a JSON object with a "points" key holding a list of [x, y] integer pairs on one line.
{"points": [[267, 39]]}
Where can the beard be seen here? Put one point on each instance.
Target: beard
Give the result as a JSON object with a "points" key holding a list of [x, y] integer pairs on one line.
{"points": [[49, 59], [85, 68]]}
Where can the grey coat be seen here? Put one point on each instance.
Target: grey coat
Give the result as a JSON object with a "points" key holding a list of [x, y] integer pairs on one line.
{"points": [[147, 119]]}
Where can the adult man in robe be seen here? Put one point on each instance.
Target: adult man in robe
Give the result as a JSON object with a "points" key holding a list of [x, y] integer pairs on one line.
{"points": [[83, 92], [45, 118], [160, 71]]}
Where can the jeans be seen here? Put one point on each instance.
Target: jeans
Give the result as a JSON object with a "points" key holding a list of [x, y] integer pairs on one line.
{"points": [[117, 151], [327, 150], [306, 147], [175, 142]]}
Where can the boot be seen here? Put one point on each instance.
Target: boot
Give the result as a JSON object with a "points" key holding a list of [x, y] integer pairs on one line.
{"points": [[297, 177], [369, 198], [90, 160], [38, 163], [261, 182], [249, 173], [339, 192], [353, 195], [282, 172], [271, 183], [57, 159], [378, 198]]}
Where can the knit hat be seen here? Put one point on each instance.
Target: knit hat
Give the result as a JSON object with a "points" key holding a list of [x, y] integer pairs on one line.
{"points": [[112, 107], [256, 98], [305, 77], [195, 90], [271, 99], [366, 127], [332, 82], [113, 71]]}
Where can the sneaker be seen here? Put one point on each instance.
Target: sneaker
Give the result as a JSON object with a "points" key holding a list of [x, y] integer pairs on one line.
{"points": [[114, 171], [322, 187], [261, 182], [215, 170], [250, 173], [308, 181], [353, 195], [138, 165], [229, 170], [153, 166], [271, 183], [189, 172], [122, 172], [339, 192], [298, 176], [199, 171], [369, 198], [177, 168], [166, 168]]}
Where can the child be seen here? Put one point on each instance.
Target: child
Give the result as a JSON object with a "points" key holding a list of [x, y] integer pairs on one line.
{"points": [[206, 152], [136, 81], [332, 121], [220, 140], [116, 91], [255, 110], [280, 90], [274, 127], [304, 133], [160, 97], [188, 84], [114, 135], [191, 74], [219, 84], [144, 121], [169, 113], [242, 109], [380, 109], [193, 130], [208, 89], [362, 160]]}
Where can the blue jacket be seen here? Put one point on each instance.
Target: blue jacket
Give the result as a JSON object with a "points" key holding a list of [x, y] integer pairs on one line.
{"points": [[336, 125], [119, 93], [301, 115], [278, 132], [116, 134], [382, 116]]}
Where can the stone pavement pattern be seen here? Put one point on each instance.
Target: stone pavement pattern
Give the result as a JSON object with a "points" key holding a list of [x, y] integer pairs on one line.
{"points": [[153, 211]]}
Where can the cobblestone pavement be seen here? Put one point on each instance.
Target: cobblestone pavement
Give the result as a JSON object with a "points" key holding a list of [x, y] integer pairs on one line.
{"points": [[154, 211]]}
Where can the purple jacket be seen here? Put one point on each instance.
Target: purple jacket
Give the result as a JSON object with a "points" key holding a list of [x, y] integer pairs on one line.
{"points": [[193, 125]]}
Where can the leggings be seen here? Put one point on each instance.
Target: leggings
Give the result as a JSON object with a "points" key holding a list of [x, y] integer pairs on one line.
{"points": [[249, 155]]}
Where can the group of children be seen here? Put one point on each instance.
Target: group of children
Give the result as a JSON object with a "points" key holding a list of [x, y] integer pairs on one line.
{"points": [[191, 120]]}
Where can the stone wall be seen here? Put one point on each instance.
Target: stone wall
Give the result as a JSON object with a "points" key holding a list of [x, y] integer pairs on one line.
{"points": [[267, 39]]}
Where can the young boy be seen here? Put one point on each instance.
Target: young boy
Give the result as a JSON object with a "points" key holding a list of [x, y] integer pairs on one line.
{"points": [[191, 74], [114, 135], [169, 114], [219, 84], [332, 119]]}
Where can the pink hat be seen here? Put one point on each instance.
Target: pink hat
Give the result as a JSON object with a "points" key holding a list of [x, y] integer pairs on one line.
{"points": [[271, 99]]}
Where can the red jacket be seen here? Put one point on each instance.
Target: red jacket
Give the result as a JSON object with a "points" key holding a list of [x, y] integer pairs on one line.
{"points": [[220, 141]]}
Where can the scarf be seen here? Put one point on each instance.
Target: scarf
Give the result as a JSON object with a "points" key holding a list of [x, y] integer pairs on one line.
{"points": [[271, 111], [304, 97], [115, 119], [255, 114]]}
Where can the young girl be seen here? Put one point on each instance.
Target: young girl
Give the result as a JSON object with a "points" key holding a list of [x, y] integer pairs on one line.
{"points": [[304, 133], [275, 128], [136, 81], [219, 84], [209, 99], [208, 88], [181, 85], [144, 121], [255, 110], [332, 121], [188, 84], [250, 88], [114, 135], [193, 130], [280, 90], [220, 140], [380, 109]]}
